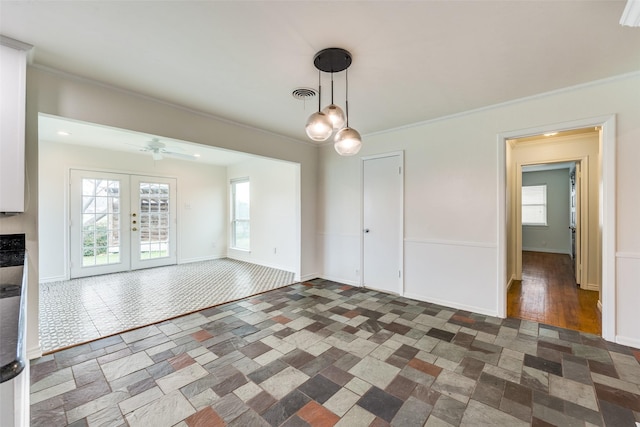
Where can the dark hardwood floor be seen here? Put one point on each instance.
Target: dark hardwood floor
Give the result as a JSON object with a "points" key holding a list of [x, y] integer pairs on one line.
{"points": [[548, 294]]}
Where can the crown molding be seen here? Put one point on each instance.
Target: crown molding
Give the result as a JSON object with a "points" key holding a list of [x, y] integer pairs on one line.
{"points": [[516, 101], [15, 44]]}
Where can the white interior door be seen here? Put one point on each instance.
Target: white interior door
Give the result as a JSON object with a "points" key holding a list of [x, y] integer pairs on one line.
{"points": [[383, 223], [120, 222]]}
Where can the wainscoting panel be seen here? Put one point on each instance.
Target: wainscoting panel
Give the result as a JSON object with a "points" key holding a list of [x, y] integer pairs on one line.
{"points": [[628, 298], [341, 257], [461, 275]]}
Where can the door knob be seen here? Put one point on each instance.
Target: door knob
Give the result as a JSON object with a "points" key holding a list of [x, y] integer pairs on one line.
{"points": [[133, 215], [366, 230]]}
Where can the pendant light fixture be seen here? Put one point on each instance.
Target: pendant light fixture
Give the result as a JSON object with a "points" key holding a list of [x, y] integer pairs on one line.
{"points": [[335, 113], [347, 141], [319, 126]]}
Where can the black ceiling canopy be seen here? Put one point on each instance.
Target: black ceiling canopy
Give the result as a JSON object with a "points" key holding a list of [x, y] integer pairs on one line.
{"points": [[332, 60]]}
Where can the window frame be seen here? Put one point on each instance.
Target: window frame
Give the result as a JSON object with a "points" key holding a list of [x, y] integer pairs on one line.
{"points": [[235, 220], [544, 204]]}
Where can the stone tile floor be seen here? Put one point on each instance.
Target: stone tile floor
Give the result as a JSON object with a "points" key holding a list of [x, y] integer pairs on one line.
{"points": [[323, 354], [80, 310]]}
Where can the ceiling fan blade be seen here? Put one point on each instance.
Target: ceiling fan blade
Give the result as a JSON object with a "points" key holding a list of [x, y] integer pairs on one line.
{"points": [[180, 155]]}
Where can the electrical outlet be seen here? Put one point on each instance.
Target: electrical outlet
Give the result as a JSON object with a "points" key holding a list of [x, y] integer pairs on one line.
{"points": [[275, 250]]}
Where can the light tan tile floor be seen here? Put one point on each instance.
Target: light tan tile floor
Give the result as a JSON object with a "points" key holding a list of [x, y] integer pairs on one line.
{"points": [[81, 310]]}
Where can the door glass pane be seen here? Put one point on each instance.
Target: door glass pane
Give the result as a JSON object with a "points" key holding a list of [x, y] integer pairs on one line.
{"points": [[100, 222], [154, 220]]}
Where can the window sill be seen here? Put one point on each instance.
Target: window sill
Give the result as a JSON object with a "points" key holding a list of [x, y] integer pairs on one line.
{"points": [[535, 225], [240, 250]]}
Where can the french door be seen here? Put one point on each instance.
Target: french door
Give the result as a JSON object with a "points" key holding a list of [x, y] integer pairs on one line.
{"points": [[120, 222]]}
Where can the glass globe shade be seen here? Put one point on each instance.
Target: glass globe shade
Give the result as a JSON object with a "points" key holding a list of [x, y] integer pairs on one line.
{"points": [[319, 127], [347, 142], [336, 115]]}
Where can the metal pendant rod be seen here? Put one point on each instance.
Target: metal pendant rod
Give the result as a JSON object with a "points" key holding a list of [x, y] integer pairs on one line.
{"points": [[346, 94], [319, 93]]}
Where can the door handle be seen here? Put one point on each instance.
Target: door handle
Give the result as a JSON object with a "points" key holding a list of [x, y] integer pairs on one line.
{"points": [[366, 230]]}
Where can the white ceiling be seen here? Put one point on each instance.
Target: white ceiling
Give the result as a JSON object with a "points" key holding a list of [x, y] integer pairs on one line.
{"points": [[412, 60]]}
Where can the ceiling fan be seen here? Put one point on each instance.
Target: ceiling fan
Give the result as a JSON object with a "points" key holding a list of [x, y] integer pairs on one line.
{"points": [[158, 150]]}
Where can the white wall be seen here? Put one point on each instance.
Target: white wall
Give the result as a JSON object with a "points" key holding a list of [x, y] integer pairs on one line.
{"points": [[555, 237], [452, 180], [450, 164], [274, 216], [201, 228]]}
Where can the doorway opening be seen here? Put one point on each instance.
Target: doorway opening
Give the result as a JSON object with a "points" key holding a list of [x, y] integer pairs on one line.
{"points": [[590, 143], [552, 284], [543, 289], [144, 221]]}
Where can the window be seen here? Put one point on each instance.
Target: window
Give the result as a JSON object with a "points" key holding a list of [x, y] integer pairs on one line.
{"points": [[534, 205], [240, 227]]}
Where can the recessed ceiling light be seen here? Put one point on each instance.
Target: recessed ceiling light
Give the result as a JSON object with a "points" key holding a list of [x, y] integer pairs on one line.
{"points": [[196, 155], [63, 133], [551, 134]]}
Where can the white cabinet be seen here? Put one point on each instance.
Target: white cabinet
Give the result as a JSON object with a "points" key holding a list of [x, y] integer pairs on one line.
{"points": [[13, 67]]}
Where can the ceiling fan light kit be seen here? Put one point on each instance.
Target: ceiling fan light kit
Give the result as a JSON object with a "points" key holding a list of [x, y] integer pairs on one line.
{"points": [[321, 124]]}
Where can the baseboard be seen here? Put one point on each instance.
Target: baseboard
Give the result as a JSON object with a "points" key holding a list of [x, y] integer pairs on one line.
{"points": [[590, 287], [630, 342], [262, 263], [308, 277], [34, 352], [452, 304], [599, 305], [547, 250], [341, 280], [513, 278], [201, 259], [53, 279]]}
